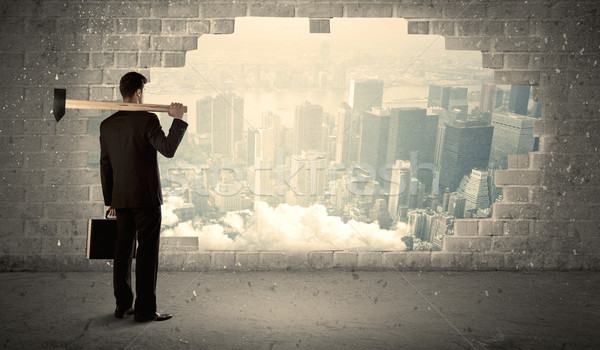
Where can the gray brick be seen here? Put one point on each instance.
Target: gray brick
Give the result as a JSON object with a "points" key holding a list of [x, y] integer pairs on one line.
{"points": [[173, 26], [149, 26], [101, 26], [222, 26], [39, 127], [247, 260], [517, 227], [515, 193], [222, 259], [515, 211], [126, 59], [410, 10], [198, 27], [517, 77], [345, 259], [467, 43], [72, 177], [395, 260], [21, 246], [125, 42], [12, 193], [320, 259], [74, 210], [102, 60], [74, 227], [443, 260], [126, 26], [368, 10], [273, 260], [198, 261], [69, 143], [466, 227], [223, 10], [418, 259], [174, 59], [21, 210], [269, 9], [319, 10], [466, 244], [12, 159], [58, 193], [518, 61], [488, 227], [469, 28], [12, 227], [150, 59]]}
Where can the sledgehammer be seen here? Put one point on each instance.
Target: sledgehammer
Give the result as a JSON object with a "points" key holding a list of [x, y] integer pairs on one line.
{"points": [[61, 103]]}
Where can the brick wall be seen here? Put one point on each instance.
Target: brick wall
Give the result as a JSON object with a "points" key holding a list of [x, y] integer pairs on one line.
{"points": [[549, 215]]}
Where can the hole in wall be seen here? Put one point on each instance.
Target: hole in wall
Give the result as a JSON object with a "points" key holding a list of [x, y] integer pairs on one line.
{"points": [[263, 167]]}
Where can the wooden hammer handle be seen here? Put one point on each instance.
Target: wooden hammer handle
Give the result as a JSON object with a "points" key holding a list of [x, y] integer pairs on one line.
{"points": [[118, 106]]}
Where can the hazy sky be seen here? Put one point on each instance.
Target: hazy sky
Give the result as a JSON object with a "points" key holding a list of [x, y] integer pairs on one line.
{"points": [[258, 33]]}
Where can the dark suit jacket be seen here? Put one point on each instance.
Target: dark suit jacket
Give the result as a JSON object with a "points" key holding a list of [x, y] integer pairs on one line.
{"points": [[128, 159]]}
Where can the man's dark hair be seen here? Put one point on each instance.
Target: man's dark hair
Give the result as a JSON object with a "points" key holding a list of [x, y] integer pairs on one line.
{"points": [[130, 82]]}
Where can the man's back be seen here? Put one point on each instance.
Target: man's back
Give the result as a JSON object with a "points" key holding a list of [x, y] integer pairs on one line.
{"points": [[129, 168]]}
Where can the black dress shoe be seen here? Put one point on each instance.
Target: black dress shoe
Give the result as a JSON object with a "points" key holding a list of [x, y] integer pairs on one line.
{"points": [[120, 312], [152, 317]]}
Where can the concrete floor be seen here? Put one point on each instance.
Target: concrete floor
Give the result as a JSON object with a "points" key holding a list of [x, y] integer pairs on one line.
{"points": [[309, 310]]}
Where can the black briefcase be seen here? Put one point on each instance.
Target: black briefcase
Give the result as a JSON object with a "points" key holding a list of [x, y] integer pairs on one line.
{"points": [[101, 238]]}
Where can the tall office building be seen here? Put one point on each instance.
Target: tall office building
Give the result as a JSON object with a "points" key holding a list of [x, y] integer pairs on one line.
{"points": [[474, 188], [365, 94], [519, 99], [487, 98], [448, 97], [308, 122], [513, 134], [374, 139], [456, 205], [412, 130], [227, 121], [399, 186], [308, 177], [466, 146], [251, 140], [203, 116], [345, 124]]}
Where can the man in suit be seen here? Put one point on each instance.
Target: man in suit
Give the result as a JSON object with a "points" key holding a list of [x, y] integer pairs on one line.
{"points": [[129, 142]]}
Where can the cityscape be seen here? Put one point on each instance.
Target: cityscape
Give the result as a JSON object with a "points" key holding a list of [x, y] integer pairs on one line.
{"points": [[337, 149]]}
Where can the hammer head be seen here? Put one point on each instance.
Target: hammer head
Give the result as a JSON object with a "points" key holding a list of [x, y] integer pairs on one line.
{"points": [[60, 98]]}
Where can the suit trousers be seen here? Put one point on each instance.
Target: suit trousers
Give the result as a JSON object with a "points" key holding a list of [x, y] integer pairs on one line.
{"points": [[146, 221]]}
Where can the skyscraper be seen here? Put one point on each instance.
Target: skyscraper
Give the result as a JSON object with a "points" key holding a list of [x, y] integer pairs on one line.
{"points": [[448, 97], [308, 177], [365, 94], [203, 116], [343, 137], [456, 205], [519, 99], [307, 127], [487, 97], [474, 188], [227, 121], [399, 186], [466, 146], [513, 134], [412, 130], [374, 139]]}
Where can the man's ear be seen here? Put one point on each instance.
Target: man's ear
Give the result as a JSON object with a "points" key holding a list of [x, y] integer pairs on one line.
{"points": [[138, 92]]}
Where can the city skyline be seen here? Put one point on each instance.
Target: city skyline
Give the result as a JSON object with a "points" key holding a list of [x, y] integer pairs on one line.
{"points": [[305, 145]]}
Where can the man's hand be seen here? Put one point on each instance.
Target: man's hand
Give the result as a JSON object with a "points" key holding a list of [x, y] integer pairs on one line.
{"points": [[176, 110], [111, 212]]}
